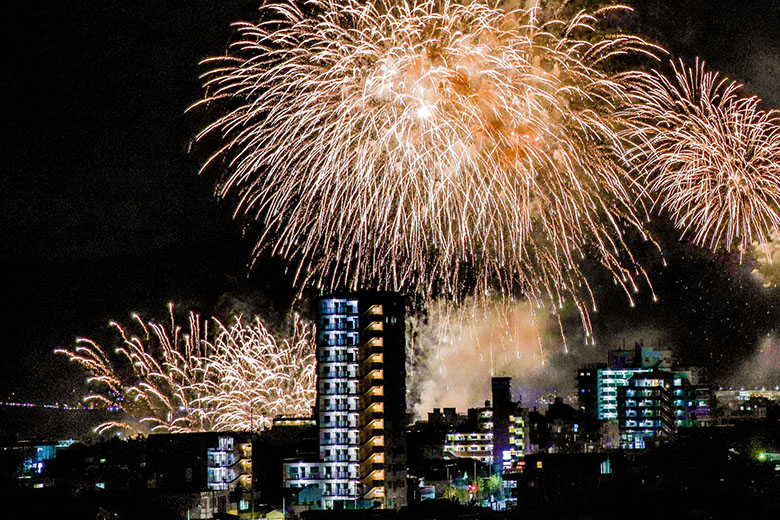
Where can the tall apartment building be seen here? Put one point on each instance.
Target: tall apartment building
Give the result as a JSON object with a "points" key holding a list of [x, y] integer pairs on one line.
{"points": [[642, 391], [599, 384], [361, 403], [645, 409], [502, 409]]}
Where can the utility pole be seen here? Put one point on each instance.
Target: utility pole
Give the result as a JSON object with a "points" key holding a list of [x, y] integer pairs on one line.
{"points": [[252, 460], [252, 474]]}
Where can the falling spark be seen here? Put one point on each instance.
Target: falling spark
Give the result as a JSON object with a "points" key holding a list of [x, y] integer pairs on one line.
{"points": [[169, 381], [429, 146], [710, 156]]}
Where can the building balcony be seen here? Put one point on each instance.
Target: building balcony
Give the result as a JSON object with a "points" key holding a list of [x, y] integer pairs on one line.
{"points": [[373, 345], [376, 491], [340, 458], [339, 392], [338, 338], [370, 417], [378, 440], [339, 358], [367, 391], [339, 424], [377, 326], [376, 423], [374, 310], [341, 374], [376, 448], [222, 462], [339, 476], [368, 467], [340, 408], [340, 326], [339, 442], [338, 306]]}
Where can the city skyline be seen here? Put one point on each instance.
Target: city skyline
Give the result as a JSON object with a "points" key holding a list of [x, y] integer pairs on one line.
{"points": [[415, 259]]}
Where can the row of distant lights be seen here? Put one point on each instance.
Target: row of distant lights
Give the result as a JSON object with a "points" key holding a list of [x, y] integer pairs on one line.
{"points": [[742, 388], [57, 406]]}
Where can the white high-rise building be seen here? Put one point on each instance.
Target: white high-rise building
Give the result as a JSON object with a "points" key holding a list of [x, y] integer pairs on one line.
{"points": [[357, 448]]}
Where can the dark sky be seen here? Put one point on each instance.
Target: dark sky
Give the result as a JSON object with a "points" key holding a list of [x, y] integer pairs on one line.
{"points": [[103, 212]]}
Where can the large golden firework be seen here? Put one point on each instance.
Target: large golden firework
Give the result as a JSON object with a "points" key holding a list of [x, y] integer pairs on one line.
{"points": [[710, 156], [165, 380], [429, 146]]}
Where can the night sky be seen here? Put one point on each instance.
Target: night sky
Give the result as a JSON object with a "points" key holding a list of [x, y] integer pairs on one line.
{"points": [[103, 212]]}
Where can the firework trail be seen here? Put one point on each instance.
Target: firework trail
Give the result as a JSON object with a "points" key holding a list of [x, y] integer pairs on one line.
{"points": [[429, 146], [710, 157], [166, 380]]}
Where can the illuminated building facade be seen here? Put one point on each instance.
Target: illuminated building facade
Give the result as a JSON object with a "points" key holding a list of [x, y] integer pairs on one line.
{"points": [[361, 403], [518, 436], [599, 384], [692, 398], [229, 465], [641, 391], [608, 381], [473, 445], [283, 421], [481, 419], [495, 435], [645, 409]]}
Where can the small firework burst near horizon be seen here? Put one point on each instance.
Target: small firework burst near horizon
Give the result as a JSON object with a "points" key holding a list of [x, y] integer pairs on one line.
{"points": [[709, 155], [250, 378], [438, 148], [236, 378]]}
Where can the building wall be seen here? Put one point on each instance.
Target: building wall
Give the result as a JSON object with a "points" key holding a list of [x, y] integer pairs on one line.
{"points": [[361, 402], [338, 374], [587, 390], [474, 445], [502, 409], [646, 409], [383, 399]]}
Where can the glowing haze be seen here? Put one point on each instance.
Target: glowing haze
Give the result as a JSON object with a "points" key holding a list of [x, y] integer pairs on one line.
{"points": [[458, 348], [429, 147]]}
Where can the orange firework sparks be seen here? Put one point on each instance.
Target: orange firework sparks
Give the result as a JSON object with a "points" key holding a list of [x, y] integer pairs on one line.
{"points": [[711, 157], [169, 381], [401, 144]]}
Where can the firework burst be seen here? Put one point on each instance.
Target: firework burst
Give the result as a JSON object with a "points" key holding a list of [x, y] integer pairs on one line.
{"points": [[427, 146], [249, 378], [166, 380], [710, 156]]}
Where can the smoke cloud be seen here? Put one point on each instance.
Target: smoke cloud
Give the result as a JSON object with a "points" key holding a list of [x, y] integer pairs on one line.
{"points": [[763, 368], [455, 350]]}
